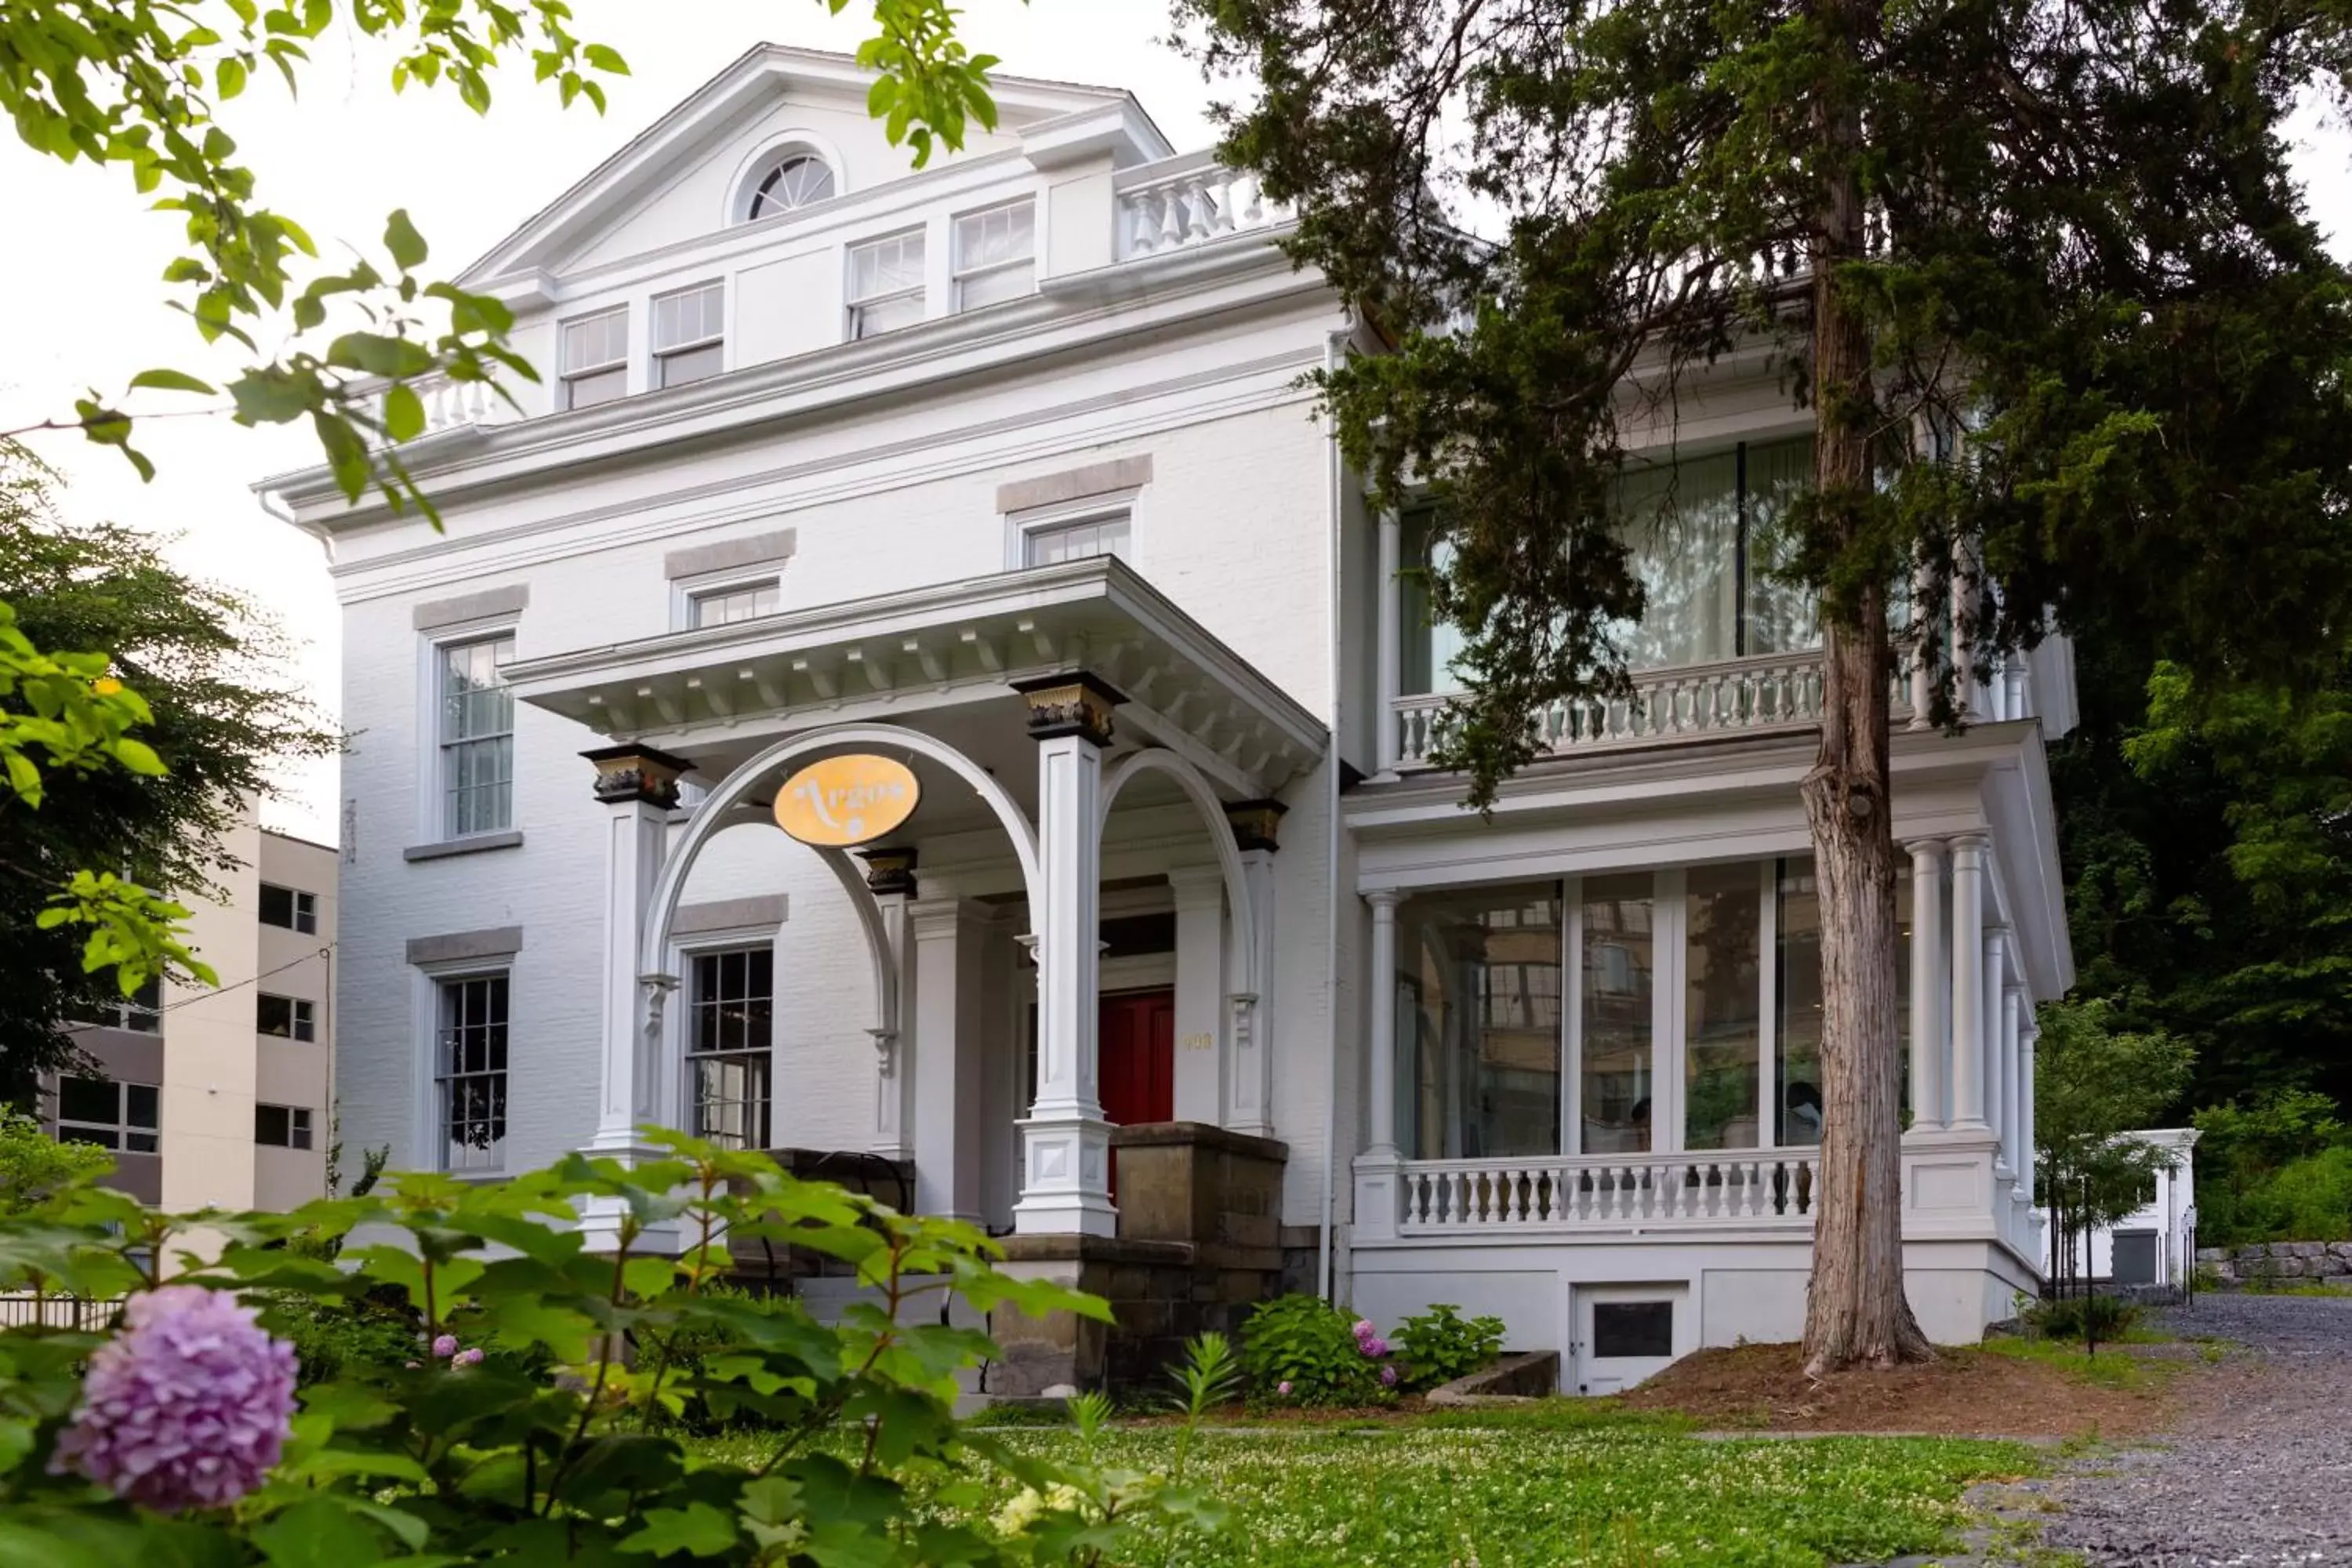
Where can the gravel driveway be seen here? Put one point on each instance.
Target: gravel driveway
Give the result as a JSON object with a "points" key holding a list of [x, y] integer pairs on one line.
{"points": [[2258, 1474]]}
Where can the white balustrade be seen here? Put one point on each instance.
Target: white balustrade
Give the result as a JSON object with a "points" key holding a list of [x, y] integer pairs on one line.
{"points": [[1187, 201], [1722, 1187], [451, 403], [1688, 702]]}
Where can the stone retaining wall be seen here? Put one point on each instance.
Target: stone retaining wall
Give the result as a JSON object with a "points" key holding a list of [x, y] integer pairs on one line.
{"points": [[2279, 1261]]}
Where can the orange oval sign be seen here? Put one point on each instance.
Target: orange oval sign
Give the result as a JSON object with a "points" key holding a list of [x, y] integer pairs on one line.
{"points": [[841, 801]]}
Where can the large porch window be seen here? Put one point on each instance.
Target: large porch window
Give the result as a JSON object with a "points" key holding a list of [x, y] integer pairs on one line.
{"points": [[1704, 542], [1690, 1019]]}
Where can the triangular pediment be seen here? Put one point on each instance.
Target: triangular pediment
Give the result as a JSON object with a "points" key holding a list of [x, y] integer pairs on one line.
{"points": [[685, 175]]}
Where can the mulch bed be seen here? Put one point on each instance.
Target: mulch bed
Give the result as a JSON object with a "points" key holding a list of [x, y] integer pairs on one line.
{"points": [[1962, 1393]]}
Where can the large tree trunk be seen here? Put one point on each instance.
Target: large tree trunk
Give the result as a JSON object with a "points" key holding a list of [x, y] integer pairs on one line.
{"points": [[1855, 1312]]}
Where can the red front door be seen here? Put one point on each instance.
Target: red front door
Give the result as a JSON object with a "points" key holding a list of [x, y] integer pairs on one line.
{"points": [[1139, 1061]]}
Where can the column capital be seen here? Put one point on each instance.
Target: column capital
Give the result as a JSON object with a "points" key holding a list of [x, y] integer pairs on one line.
{"points": [[1257, 823], [889, 871], [631, 773], [1076, 702], [1384, 898], [941, 915], [1196, 885], [1923, 848], [1970, 844]]}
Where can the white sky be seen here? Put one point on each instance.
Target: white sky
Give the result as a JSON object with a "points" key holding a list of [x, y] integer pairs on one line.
{"points": [[89, 311]]}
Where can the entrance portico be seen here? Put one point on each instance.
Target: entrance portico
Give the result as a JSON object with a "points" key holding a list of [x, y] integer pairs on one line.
{"points": [[1136, 721]]}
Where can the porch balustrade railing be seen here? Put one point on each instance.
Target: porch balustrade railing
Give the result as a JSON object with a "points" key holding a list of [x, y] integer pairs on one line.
{"points": [[451, 403], [1696, 702], [1451, 1197], [1186, 201]]}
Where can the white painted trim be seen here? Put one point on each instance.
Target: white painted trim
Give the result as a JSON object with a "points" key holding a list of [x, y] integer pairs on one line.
{"points": [[427, 817], [768, 152]]}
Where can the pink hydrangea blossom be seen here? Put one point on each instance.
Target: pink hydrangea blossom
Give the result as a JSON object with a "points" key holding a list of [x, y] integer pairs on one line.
{"points": [[467, 1358], [188, 1406], [445, 1347], [1374, 1347], [1283, 1388], [1388, 1377], [1364, 1329]]}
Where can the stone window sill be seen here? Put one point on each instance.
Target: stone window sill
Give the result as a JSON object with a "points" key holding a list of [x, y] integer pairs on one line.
{"points": [[473, 844]]}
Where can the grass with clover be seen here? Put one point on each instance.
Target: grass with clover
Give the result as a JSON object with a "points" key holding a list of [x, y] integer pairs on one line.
{"points": [[1525, 1495]]}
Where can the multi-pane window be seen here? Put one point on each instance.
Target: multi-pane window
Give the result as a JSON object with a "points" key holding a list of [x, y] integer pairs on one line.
{"points": [[995, 255], [142, 1011], [290, 909], [1478, 1020], [689, 329], [736, 602], [731, 1019], [472, 1046], [886, 284], [113, 1115], [595, 359], [798, 181], [1043, 546], [282, 1126], [290, 1017], [477, 738]]}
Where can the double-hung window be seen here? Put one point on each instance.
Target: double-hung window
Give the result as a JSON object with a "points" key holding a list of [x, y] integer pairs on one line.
{"points": [[290, 909], [473, 1072], [596, 359], [288, 1018], [1106, 533], [690, 332], [731, 1019], [282, 1126], [476, 737], [735, 602], [886, 284], [112, 1115], [995, 255]]}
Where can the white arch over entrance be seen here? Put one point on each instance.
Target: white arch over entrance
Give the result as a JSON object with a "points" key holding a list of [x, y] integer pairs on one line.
{"points": [[719, 811], [1158, 760]]}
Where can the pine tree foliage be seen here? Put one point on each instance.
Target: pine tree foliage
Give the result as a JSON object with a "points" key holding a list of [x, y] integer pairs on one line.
{"points": [[2039, 270]]}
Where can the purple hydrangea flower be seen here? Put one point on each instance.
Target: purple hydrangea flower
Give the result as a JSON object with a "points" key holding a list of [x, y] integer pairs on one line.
{"points": [[445, 1347], [1374, 1348], [187, 1407], [1283, 1388], [1365, 1329], [1388, 1377], [467, 1358]]}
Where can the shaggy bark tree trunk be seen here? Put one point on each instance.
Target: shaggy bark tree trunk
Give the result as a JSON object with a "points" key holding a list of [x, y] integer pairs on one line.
{"points": [[1856, 1310]]}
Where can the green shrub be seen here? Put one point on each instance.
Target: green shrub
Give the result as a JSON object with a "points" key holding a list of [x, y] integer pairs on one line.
{"points": [[550, 1443], [2279, 1170], [2066, 1318], [694, 1353], [1301, 1350], [1440, 1345]]}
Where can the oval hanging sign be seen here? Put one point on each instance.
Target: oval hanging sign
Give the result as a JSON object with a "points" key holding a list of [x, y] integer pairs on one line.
{"points": [[841, 801]]}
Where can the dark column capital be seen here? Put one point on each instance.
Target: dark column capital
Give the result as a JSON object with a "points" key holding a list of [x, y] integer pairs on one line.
{"points": [[1077, 702], [637, 772], [1256, 823], [889, 871]]}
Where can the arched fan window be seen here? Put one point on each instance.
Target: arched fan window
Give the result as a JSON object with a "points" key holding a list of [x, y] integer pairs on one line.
{"points": [[801, 178]]}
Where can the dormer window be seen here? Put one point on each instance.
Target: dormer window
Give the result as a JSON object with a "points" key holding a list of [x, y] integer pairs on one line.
{"points": [[689, 329], [798, 180], [595, 359]]}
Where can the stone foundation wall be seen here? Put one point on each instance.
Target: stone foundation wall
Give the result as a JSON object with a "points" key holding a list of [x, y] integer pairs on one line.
{"points": [[2279, 1261]]}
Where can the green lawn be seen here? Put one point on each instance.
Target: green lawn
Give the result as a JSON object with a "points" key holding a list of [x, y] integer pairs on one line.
{"points": [[1543, 1495]]}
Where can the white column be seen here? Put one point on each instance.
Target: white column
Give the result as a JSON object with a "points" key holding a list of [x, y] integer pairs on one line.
{"points": [[1389, 649], [897, 1053], [1378, 1189], [2027, 1157], [638, 790], [1968, 1108], [1064, 1141], [1201, 1050], [1927, 955], [1995, 975], [2012, 1073], [1252, 1076], [950, 1122]]}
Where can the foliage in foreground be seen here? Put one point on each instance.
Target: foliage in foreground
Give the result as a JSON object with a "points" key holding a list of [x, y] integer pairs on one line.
{"points": [[527, 1424], [1419, 1497]]}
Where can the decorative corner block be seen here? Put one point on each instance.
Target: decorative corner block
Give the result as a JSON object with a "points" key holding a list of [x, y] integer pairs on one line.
{"points": [[889, 871], [1078, 702], [625, 773], [1256, 823]]}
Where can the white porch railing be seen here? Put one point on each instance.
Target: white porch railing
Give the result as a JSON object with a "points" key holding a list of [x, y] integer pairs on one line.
{"points": [[1695, 701], [1189, 200], [1453, 1198], [451, 403]]}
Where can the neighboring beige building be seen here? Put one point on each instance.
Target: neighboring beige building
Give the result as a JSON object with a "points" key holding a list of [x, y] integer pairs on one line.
{"points": [[221, 1097]]}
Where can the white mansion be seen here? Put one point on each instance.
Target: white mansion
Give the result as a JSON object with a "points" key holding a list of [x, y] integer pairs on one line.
{"points": [[996, 483]]}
